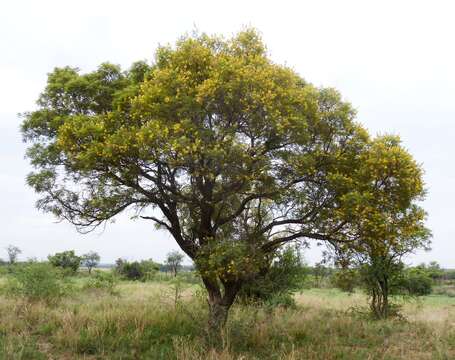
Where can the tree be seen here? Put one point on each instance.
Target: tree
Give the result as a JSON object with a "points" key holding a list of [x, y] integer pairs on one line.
{"points": [[434, 271], [13, 252], [67, 260], [174, 261], [417, 281], [345, 279], [144, 270], [383, 211], [320, 271], [229, 152], [90, 260]]}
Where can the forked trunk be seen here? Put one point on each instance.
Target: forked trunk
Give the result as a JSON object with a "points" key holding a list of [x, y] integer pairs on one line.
{"points": [[219, 304], [380, 299]]}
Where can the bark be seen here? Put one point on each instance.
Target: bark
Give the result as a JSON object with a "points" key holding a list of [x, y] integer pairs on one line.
{"points": [[219, 304], [380, 299], [218, 313]]}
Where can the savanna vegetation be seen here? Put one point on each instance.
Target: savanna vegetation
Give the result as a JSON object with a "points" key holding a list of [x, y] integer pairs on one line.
{"points": [[47, 313], [244, 163]]}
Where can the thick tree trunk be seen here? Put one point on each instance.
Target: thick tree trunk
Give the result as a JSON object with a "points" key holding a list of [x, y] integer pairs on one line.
{"points": [[218, 313], [219, 304]]}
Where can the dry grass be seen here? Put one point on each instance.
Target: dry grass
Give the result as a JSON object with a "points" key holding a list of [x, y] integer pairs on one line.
{"points": [[143, 323]]}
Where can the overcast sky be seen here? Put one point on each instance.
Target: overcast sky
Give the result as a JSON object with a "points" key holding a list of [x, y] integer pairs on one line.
{"points": [[393, 60]]}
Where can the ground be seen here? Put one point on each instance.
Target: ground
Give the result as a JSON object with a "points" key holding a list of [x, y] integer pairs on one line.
{"points": [[154, 321]]}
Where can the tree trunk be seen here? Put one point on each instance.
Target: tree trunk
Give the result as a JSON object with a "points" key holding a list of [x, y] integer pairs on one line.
{"points": [[385, 298], [219, 304], [218, 313], [380, 299]]}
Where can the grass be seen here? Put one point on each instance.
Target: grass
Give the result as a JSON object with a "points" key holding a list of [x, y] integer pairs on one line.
{"points": [[143, 322]]}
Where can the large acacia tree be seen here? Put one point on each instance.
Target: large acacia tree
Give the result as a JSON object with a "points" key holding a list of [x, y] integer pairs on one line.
{"points": [[229, 152]]}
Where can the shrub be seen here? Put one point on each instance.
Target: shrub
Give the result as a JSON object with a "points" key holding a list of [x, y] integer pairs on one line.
{"points": [[37, 282], [102, 280], [66, 260], [380, 278], [345, 279], [144, 270], [275, 285], [416, 282]]}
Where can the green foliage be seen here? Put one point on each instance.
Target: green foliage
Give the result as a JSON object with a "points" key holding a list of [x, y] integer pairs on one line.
{"points": [[90, 260], [229, 261], [66, 260], [449, 274], [38, 282], [319, 275], [103, 280], [13, 252], [380, 278], [143, 270], [239, 154], [275, 285], [345, 279], [416, 281], [383, 277], [384, 211], [174, 261]]}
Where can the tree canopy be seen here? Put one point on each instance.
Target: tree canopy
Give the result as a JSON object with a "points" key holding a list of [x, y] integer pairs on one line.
{"points": [[67, 260], [231, 153], [90, 260], [174, 261]]}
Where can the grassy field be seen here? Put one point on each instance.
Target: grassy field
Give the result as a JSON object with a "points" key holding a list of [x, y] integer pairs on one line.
{"points": [[143, 321]]}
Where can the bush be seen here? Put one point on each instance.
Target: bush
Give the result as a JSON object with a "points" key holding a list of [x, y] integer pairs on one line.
{"points": [[345, 279], [102, 280], [144, 270], [416, 282], [37, 282], [66, 260], [276, 285], [284, 300], [380, 278]]}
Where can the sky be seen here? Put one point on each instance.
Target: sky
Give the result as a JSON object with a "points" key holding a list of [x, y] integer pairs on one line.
{"points": [[393, 60]]}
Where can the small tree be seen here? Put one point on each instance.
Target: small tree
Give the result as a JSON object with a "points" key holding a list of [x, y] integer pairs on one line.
{"points": [[434, 271], [174, 261], [67, 260], [13, 252], [37, 281], [417, 281], [143, 270], [385, 218], [90, 260]]}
